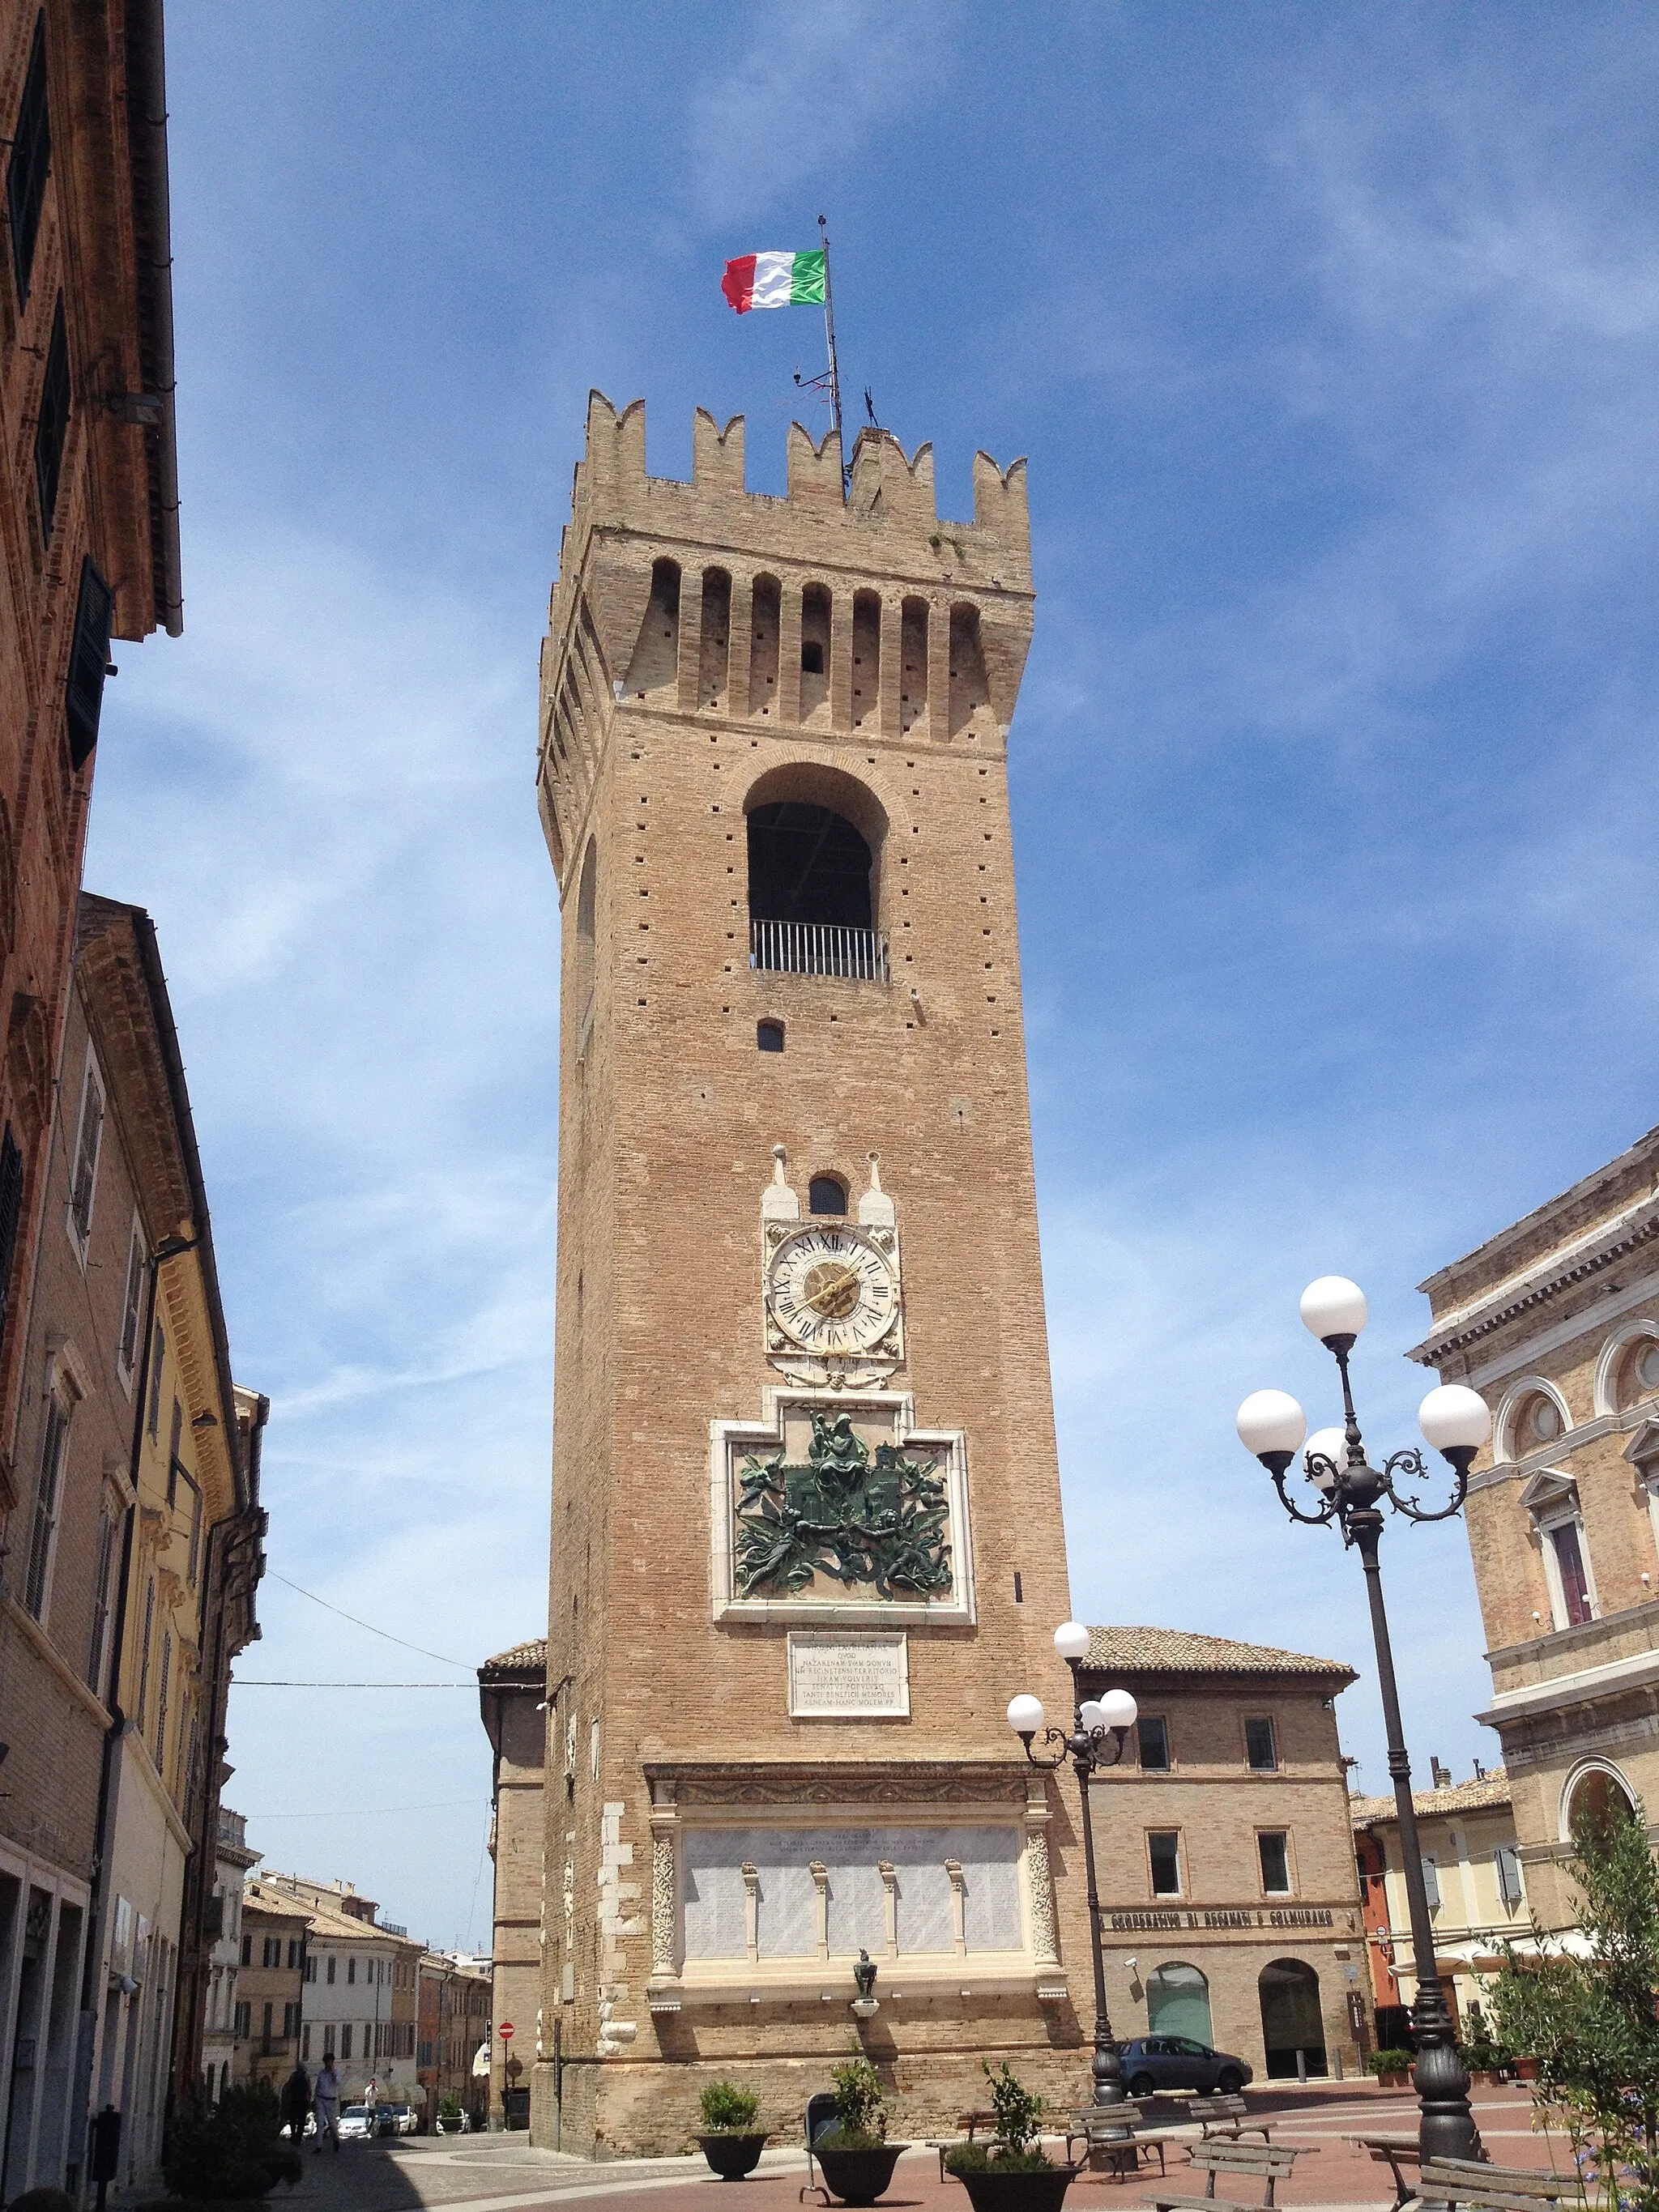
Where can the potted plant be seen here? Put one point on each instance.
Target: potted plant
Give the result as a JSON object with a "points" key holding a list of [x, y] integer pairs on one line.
{"points": [[857, 2159], [449, 2115], [1011, 2172], [1392, 2069], [730, 2140]]}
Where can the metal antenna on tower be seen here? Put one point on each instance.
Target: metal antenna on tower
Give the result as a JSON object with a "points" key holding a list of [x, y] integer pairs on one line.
{"points": [[829, 335]]}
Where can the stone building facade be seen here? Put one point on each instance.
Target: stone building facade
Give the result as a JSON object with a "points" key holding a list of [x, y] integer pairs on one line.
{"points": [[512, 1694], [88, 530], [1555, 1321], [1231, 1905], [360, 1993], [223, 2052], [269, 2020], [806, 1530], [131, 1559], [1477, 1893]]}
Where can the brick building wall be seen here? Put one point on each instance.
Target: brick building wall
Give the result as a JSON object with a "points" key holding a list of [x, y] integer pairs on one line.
{"points": [[88, 537], [1236, 1766], [862, 657], [512, 1688]]}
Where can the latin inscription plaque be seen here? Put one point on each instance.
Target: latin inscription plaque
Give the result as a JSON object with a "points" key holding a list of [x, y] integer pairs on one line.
{"points": [[851, 1675]]}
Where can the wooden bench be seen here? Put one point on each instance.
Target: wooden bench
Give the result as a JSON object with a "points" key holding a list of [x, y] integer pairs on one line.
{"points": [[1454, 2182], [1229, 2117], [1139, 2126], [1267, 2163], [1395, 2152]]}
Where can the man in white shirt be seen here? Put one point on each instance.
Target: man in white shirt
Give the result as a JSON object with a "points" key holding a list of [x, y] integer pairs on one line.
{"points": [[327, 2101]]}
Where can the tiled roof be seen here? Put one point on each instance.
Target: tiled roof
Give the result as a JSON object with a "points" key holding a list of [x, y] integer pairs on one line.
{"points": [[521, 1659], [1178, 1651], [263, 1899], [1492, 1788]]}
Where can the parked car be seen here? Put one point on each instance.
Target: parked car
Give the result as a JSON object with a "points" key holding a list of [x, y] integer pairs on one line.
{"points": [[394, 2119], [356, 2123], [1176, 2062]]}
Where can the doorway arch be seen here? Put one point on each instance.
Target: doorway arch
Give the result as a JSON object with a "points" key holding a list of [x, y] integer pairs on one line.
{"points": [[1178, 2003], [1291, 2019]]}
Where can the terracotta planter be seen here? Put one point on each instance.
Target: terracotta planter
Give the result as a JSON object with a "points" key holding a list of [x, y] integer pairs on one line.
{"points": [[1017, 2192], [858, 2177], [1526, 2070], [1485, 2077], [1393, 2081], [731, 2156]]}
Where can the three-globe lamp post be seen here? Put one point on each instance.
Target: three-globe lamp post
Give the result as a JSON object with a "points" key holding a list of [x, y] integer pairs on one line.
{"points": [[1456, 1422], [1099, 1728]]}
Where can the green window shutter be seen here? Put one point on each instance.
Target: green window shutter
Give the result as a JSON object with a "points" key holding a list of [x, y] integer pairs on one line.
{"points": [[83, 698], [31, 160]]}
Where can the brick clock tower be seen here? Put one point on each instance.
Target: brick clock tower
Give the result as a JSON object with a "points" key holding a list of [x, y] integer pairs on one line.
{"points": [[806, 1535]]}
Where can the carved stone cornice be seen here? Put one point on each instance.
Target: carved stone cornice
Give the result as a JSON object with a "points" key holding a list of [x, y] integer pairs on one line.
{"points": [[868, 1782]]}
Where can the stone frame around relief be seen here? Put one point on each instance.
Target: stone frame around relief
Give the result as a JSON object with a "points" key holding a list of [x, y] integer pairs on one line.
{"points": [[730, 1439]]}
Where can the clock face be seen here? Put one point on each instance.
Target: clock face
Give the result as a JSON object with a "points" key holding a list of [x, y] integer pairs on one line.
{"points": [[828, 1290]]}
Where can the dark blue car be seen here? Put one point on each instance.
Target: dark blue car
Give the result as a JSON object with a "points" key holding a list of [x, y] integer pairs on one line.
{"points": [[1176, 2062]]}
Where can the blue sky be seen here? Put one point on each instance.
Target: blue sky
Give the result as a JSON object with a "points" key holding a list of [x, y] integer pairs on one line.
{"points": [[1332, 337]]}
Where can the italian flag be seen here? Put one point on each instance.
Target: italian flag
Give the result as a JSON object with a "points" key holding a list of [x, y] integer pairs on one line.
{"points": [[774, 280]]}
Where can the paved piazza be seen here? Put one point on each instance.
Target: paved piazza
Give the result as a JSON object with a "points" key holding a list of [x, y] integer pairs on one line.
{"points": [[502, 2173]]}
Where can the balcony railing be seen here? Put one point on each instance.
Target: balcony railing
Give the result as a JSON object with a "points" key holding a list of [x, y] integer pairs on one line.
{"points": [[818, 948]]}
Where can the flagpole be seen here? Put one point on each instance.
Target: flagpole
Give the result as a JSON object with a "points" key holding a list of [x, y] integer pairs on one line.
{"points": [[830, 335]]}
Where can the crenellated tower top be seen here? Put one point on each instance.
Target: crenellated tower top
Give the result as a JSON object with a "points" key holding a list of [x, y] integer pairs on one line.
{"points": [[865, 616]]}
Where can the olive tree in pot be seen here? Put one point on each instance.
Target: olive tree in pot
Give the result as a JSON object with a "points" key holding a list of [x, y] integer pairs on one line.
{"points": [[857, 2159], [1011, 2172], [730, 2140]]}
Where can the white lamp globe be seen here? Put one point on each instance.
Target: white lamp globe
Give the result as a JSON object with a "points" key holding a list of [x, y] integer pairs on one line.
{"points": [[1334, 1306], [1119, 1709], [1453, 1416], [1092, 1714], [1072, 1640], [1324, 1444], [1025, 1715], [1270, 1421]]}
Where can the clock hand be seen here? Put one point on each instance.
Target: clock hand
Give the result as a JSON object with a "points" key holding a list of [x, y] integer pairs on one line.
{"points": [[832, 1290]]}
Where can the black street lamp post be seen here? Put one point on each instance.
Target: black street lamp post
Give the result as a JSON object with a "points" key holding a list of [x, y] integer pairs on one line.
{"points": [[1456, 1422], [1099, 1728]]}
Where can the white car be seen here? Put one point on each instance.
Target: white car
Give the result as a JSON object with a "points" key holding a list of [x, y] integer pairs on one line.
{"points": [[356, 2123], [395, 2119]]}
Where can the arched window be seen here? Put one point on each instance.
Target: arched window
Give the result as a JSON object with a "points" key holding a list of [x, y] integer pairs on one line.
{"points": [[815, 633], [809, 865], [826, 1194], [1290, 2021], [1595, 1801], [1178, 2003], [866, 657], [654, 666], [717, 637], [766, 617], [587, 911], [768, 1036]]}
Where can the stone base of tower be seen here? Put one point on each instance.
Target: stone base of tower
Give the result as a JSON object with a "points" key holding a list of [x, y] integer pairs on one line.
{"points": [[931, 2066]]}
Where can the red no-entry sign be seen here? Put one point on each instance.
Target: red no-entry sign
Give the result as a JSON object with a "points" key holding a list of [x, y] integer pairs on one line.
{"points": [[504, 2030]]}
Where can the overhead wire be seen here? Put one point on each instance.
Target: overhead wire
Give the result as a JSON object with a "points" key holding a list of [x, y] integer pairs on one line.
{"points": [[448, 1659]]}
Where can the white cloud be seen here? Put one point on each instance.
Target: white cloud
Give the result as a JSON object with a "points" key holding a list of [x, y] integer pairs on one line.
{"points": [[813, 85]]}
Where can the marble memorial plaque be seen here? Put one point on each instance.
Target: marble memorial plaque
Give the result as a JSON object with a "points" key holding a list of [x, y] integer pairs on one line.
{"points": [[844, 1675]]}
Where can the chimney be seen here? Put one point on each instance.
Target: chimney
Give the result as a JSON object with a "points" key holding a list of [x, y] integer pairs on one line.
{"points": [[1442, 1774]]}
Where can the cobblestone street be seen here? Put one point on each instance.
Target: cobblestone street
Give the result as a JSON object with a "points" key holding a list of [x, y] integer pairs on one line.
{"points": [[503, 2173]]}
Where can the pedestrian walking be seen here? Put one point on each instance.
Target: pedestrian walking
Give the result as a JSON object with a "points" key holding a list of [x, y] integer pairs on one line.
{"points": [[295, 2102], [326, 2101]]}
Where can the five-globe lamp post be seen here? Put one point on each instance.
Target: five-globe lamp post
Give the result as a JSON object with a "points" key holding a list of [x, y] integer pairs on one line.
{"points": [[1099, 1728], [1456, 1422]]}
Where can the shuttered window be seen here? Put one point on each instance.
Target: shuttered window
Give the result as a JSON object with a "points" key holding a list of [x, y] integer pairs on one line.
{"points": [[88, 1144], [144, 1661], [132, 1301], [52, 423], [83, 700], [161, 1703], [31, 159], [1507, 1861], [11, 1214], [1432, 1884], [157, 1357], [45, 1527], [100, 1604]]}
